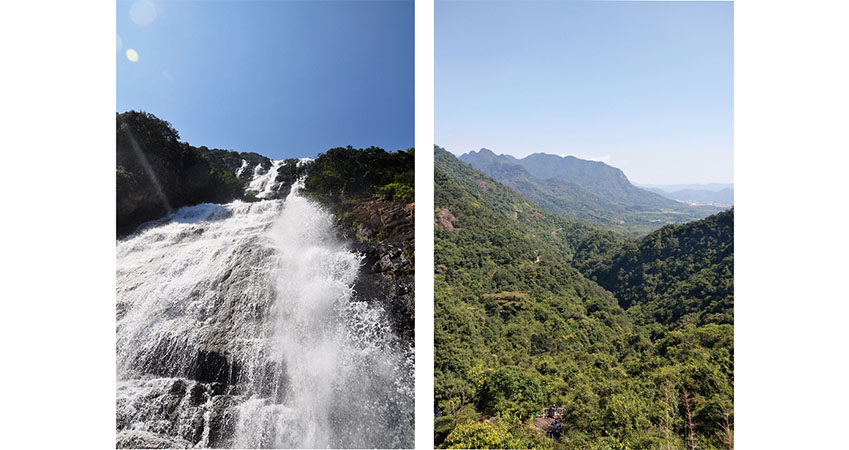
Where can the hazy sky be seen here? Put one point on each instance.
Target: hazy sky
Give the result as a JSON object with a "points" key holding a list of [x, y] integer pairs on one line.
{"points": [[644, 86], [281, 78]]}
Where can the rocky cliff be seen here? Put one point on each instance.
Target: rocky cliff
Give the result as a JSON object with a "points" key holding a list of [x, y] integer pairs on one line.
{"points": [[384, 232]]}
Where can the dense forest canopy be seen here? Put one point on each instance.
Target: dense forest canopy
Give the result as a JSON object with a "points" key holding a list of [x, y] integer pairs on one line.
{"points": [[363, 173], [679, 274], [521, 323]]}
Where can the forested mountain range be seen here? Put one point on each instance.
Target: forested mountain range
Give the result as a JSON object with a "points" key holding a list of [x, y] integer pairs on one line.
{"points": [[630, 338], [586, 190]]}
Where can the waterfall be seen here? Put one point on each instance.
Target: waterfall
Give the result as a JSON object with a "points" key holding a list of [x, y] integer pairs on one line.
{"points": [[265, 181], [237, 326], [241, 168]]}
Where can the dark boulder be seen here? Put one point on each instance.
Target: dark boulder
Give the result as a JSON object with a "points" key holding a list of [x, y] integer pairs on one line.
{"points": [[222, 421]]}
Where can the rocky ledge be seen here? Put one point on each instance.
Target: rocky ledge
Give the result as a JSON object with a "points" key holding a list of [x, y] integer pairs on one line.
{"points": [[384, 232]]}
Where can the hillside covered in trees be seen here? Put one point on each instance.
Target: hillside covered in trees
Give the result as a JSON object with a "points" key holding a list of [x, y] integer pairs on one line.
{"points": [[156, 173], [677, 275], [534, 309]]}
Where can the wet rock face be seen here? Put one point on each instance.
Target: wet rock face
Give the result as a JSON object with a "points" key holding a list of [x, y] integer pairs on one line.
{"points": [[290, 173], [144, 439], [191, 341], [214, 367], [174, 413], [387, 276], [221, 421], [205, 366], [384, 233], [204, 351]]}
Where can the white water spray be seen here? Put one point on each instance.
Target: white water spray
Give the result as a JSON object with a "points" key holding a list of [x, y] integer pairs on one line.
{"points": [[264, 181], [238, 326], [241, 168]]}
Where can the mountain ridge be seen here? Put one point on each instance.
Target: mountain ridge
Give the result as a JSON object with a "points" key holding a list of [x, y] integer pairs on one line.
{"points": [[585, 190], [593, 175]]}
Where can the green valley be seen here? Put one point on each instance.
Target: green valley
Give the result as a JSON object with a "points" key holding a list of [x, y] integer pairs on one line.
{"points": [[631, 339]]}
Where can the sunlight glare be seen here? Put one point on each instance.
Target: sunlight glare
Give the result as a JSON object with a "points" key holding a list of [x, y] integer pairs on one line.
{"points": [[132, 55], [143, 13]]}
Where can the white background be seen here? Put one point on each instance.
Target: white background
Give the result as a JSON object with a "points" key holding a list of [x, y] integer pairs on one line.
{"points": [[57, 122]]}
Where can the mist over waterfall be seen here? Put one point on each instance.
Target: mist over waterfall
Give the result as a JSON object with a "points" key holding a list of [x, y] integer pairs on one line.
{"points": [[238, 326]]}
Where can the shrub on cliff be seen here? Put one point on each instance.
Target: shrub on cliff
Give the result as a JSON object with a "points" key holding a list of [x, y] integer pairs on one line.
{"points": [[363, 173]]}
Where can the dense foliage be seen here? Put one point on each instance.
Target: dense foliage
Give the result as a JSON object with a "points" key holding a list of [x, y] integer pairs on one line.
{"points": [[363, 173], [157, 173], [590, 191], [231, 161], [518, 327], [676, 275]]}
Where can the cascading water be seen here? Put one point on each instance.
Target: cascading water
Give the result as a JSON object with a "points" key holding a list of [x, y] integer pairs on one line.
{"points": [[238, 327], [264, 181], [242, 168]]}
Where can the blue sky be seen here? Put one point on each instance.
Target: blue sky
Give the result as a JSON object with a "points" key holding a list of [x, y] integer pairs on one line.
{"points": [[644, 86], [280, 78]]}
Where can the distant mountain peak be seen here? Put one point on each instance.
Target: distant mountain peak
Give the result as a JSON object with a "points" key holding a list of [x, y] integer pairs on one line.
{"points": [[546, 166], [582, 189]]}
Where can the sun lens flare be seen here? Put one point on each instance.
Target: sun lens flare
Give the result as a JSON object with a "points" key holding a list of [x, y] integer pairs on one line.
{"points": [[132, 55], [143, 13]]}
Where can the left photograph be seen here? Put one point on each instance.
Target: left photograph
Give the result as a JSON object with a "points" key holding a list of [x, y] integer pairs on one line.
{"points": [[265, 224]]}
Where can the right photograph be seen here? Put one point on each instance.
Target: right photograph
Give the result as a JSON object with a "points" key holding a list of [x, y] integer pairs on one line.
{"points": [[584, 225]]}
